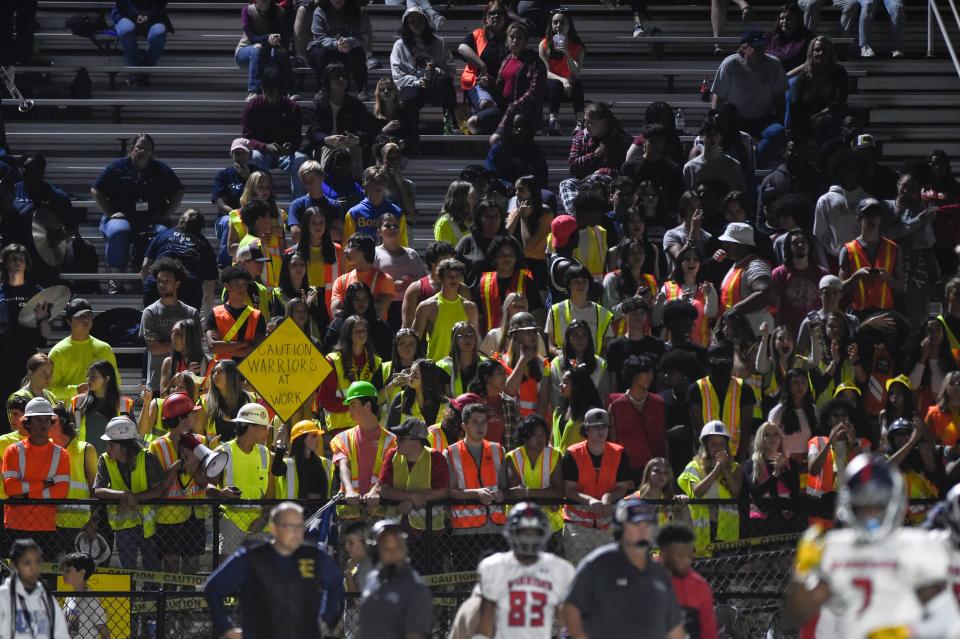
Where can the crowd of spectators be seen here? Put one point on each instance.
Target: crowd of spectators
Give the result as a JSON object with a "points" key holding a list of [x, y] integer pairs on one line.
{"points": [[655, 321]]}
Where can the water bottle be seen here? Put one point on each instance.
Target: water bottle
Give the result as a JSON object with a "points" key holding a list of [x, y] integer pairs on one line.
{"points": [[679, 122], [705, 90]]}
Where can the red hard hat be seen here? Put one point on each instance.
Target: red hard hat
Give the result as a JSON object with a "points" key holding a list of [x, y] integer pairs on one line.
{"points": [[466, 399], [178, 404]]}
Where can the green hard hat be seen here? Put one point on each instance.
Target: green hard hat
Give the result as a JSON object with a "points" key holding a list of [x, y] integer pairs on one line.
{"points": [[360, 389]]}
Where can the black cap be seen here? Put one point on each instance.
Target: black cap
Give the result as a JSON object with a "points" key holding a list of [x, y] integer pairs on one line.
{"points": [[77, 306], [754, 37]]}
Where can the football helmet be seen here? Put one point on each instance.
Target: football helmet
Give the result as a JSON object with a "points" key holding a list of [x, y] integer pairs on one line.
{"points": [[872, 499], [948, 515], [527, 530]]}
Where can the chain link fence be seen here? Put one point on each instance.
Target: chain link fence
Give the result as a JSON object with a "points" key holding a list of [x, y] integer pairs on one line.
{"points": [[148, 585]]}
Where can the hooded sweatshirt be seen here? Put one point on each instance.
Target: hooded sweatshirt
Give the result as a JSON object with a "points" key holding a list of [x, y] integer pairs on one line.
{"points": [[835, 219], [35, 611]]}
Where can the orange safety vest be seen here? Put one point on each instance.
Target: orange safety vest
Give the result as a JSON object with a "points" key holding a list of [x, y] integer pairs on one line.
{"points": [[228, 327], [875, 399], [701, 326], [26, 470], [727, 410], [730, 287], [469, 77], [826, 481], [592, 483], [872, 294], [529, 394], [492, 299], [468, 476]]}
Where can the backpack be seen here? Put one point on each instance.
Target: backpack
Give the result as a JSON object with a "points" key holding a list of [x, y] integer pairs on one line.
{"points": [[81, 257], [86, 26]]}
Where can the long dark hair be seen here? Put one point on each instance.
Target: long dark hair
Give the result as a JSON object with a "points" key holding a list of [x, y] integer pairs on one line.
{"points": [[583, 394], [327, 248], [485, 370], [628, 286], [345, 346], [790, 421], [285, 282], [109, 406], [944, 356], [431, 379], [347, 310], [410, 40], [395, 364], [536, 206], [572, 35], [504, 23], [192, 345], [568, 359], [677, 274]]}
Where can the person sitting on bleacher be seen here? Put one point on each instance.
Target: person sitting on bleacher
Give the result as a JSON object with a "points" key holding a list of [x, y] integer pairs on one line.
{"points": [[755, 83], [483, 49], [339, 31], [423, 71], [790, 39], [601, 145], [186, 245], [271, 122], [520, 85], [340, 185], [818, 97], [517, 154], [338, 120], [148, 18], [229, 183], [265, 40], [136, 195], [32, 194]]}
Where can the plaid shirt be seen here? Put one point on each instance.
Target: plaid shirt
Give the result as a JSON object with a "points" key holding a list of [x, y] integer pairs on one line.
{"points": [[529, 87], [586, 158], [511, 421]]}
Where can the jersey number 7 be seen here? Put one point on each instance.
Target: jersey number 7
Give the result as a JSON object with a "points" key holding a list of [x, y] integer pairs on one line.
{"points": [[518, 615], [867, 587]]}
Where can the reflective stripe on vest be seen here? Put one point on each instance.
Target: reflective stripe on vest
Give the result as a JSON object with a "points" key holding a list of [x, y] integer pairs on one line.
{"points": [[417, 478], [492, 298], [728, 412], [604, 317], [468, 79], [437, 438], [873, 294], [80, 417], [537, 476], [138, 480], [341, 420], [165, 450], [348, 441], [728, 517], [596, 252], [252, 480], [469, 477], [701, 326], [827, 480], [593, 483], [75, 515]]}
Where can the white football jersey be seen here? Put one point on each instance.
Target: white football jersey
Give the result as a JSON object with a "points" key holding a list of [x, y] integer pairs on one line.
{"points": [[873, 585], [526, 596]]}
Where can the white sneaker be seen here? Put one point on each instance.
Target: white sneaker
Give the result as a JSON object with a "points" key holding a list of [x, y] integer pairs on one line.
{"points": [[867, 52], [898, 54], [638, 30], [438, 22]]}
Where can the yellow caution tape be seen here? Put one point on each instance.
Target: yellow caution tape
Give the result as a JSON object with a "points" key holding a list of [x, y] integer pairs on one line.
{"points": [[166, 578], [753, 541], [450, 578]]}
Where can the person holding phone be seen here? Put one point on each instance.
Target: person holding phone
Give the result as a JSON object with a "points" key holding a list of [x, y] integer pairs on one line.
{"points": [[870, 265]]}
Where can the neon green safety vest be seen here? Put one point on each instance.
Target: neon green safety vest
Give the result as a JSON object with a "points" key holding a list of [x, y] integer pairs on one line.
{"points": [[417, 478], [288, 487], [728, 518], [69, 515], [250, 472], [563, 316], [537, 476], [123, 520]]}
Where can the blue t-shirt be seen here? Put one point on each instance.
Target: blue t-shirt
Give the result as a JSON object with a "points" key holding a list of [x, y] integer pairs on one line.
{"points": [[304, 202], [229, 186], [366, 217], [124, 185], [196, 254]]}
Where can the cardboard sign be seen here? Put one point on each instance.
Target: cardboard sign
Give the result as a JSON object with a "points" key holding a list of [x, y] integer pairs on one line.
{"points": [[285, 369]]}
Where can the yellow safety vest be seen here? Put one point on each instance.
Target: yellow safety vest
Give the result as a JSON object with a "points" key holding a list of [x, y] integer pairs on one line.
{"points": [[339, 421], [69, 515], [250, 472], [288, 487], [596, 254], [456, 384], [537, 476], [166, 451], [728, 412], [562, 316], [417, 479], [157, 430], [570, 435], [6, 441], [124, 520], [728, 518]]}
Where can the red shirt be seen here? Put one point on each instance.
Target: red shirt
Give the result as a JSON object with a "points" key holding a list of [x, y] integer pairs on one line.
{"points": [[509, 75], [643, 434], [439, 473], [696, 599]]}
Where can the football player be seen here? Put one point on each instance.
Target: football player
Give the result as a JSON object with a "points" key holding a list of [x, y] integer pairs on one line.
{"points": [[943, 611], [522, 588], [873, 577]]}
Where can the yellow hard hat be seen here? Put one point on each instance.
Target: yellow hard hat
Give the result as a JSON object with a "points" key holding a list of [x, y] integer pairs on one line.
{"points": [[846, 387], [899, 379], [304, 427]]}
